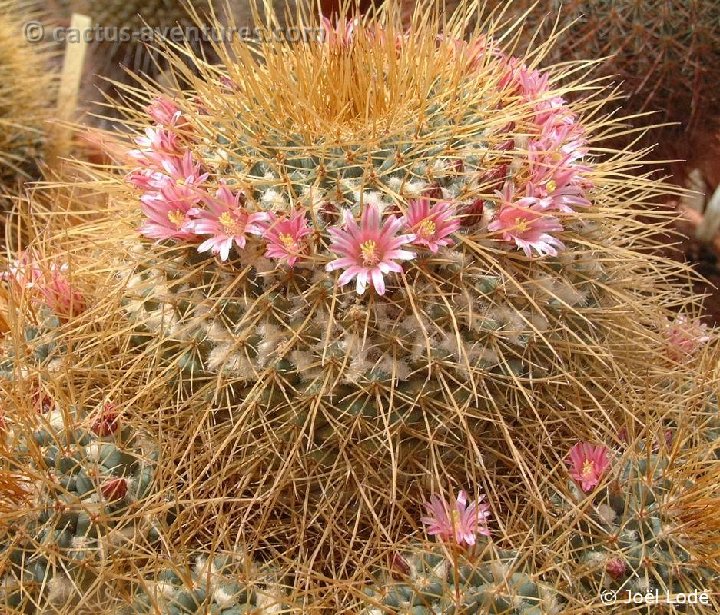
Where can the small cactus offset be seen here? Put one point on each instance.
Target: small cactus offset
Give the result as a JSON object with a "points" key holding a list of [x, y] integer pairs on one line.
{"points": [[226, 584], [43, 296], [432, 581], [88, 473], [630, 539]]}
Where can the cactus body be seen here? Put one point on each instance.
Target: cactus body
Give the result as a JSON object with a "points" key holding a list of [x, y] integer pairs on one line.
{"points": [[468, 311], [630, 542], [217, 585], [91, 474], [434, 585]]}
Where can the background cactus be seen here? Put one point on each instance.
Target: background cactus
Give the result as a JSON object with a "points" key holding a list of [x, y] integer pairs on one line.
{"points": [[633, 538], [127, 43], [432, 581], [88, 473], [26, 98], [226, 584], [664, 54]]}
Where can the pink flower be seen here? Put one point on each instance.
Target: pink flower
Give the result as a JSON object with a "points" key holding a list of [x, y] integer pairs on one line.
{"points": [[526, 224], [51, 286], [183, 181], [59, 295], [587, 464], [227, 221], [557, 195], [157, 145], [145, 179], [432, 223], [368, 251], [167, 219], [458, 522], [164, 111], [685, 337], [23, 273], [340, 35], [285, 236]]}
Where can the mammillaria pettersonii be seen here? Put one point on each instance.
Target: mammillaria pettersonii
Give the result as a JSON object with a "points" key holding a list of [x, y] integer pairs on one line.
{"points": [[385, 157]]}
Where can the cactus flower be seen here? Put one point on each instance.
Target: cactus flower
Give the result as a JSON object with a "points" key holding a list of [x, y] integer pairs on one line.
{"points": [[157, 144], [164, 111], [285, 237], [458, 522], [166, 219], [58, 293], [587, 463], [370, 250], [227, 221], [107, 423], [526, 224], [685, 337], [432, 223]]}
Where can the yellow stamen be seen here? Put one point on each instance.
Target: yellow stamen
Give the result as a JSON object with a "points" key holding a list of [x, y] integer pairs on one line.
{"points": [[455, 518], [588, 468], [426, 228], [177, 217], [551, 186], [288, 242], [368, 249], [228, 223], [521, 225]]}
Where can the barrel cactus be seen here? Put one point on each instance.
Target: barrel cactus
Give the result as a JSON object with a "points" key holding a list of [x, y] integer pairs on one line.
{"points": [[88, 472], [227, 584], [366, 254], [482, 243], [431, 581]]}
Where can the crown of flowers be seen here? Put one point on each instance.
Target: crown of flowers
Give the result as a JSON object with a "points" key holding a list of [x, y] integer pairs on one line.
{"points": [[185, 201]]}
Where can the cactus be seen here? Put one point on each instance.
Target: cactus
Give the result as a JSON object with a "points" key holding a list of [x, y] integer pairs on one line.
{"points": [[629, 539], [470, 307], [217, 584], [664, 53], [430, 581], [88, 474], [26, 97], [515, 275], [132, 15]]}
